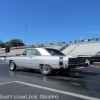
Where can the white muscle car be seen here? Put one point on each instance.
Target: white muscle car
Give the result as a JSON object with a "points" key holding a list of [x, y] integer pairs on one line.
{"points": [[45, 59]]}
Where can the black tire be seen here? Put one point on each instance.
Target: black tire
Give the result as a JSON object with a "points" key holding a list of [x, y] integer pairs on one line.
{"points": [[91, 62], [31, 70], [12, 66], [46, 70]]}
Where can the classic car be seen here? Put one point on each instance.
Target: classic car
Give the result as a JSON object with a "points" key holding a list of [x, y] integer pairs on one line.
{"points": [[45, 59]]}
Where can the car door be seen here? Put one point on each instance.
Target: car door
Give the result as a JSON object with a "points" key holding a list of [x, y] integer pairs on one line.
{"points": [[25, 60], [36, 59]]}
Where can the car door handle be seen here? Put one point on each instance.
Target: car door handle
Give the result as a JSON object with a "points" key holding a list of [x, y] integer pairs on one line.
{"points": [[30, 57]]}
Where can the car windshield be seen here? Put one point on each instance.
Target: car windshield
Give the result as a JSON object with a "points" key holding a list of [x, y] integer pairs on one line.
{"points": [[54, 52]]}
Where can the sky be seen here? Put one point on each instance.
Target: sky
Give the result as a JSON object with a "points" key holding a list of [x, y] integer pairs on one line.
{"points": [[49, 20]]}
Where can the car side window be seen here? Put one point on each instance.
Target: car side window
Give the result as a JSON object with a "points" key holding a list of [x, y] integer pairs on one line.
{"points": [[27, 52], [24, 53], [32, 52], [36, 52]]}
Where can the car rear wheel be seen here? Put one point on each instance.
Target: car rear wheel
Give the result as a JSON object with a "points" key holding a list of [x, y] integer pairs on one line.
{"points": [[46, 70], [12, 66]]}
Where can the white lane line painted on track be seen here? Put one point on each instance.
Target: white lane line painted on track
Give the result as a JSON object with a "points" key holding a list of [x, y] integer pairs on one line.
{"points": [[59, 91], [75, 83], [7, 82]]}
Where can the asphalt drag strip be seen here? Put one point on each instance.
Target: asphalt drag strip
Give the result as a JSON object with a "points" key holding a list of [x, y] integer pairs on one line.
{"points": [[89, 74], [73, 85], [21, 90]]}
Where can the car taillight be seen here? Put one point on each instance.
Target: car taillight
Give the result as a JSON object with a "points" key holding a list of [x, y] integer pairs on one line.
{"points": [[61, 62]]}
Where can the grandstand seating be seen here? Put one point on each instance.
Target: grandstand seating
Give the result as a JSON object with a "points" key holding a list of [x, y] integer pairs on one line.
{"points": [[13, 52], [57, 47], [1, 52], [82, 49], [20, 51], [74, 49], [68, 49]]}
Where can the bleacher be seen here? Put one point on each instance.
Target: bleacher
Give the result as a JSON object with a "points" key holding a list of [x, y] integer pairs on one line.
{"points": [[82, 49], [20, 51], [56, 47], [74, 49], [13, 52], [68, 49]]}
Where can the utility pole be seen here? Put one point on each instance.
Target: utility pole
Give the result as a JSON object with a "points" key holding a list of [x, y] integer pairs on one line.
{"points": [[25, 26]]}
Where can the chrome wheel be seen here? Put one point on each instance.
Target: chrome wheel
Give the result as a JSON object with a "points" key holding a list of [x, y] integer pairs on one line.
{"points": [[46, 69], [12, 66]]}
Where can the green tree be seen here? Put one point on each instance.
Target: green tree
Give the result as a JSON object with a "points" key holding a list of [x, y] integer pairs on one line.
{"points": [[15, 42], [2, 44]]}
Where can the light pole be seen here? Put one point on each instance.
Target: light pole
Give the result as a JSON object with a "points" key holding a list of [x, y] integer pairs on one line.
{"points": [[25, 26]]}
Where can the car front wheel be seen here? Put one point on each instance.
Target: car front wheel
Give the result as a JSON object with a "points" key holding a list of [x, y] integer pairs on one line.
{"points": [[46, 70], [12, 66]]}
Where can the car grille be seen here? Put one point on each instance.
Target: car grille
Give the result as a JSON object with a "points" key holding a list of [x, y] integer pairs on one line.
{"points": [[76, 60]]}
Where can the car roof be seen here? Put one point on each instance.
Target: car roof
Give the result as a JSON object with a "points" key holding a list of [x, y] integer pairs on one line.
{"points": [[41, 50]]}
